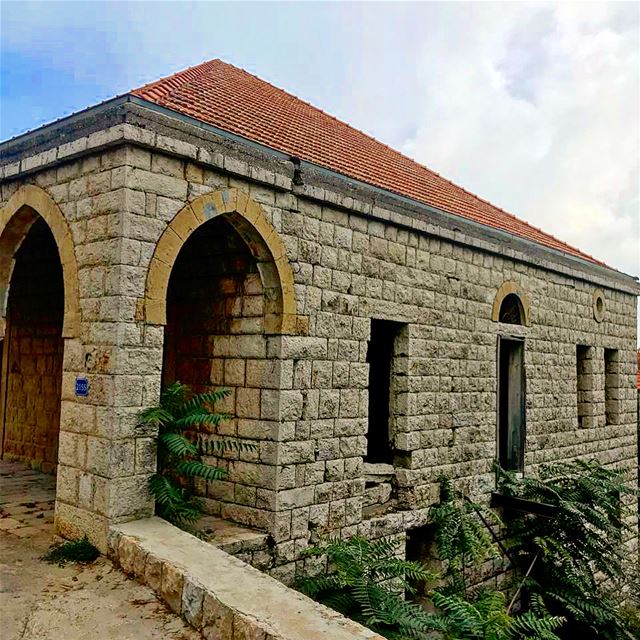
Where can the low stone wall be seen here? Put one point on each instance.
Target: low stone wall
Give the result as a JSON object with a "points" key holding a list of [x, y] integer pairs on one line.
{"points": [[221, 596]]}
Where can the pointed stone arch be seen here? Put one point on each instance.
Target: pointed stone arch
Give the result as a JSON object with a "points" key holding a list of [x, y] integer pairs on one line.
{"points": [[249, 220], [16, 219]]}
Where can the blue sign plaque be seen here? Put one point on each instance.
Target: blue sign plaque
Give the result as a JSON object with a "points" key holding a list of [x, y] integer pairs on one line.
{"points": [[82, 387]]}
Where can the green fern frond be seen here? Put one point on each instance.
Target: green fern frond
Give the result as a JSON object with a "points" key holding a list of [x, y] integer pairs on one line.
{"points": [[200, 401], [196, 469], [200, 418], [156, 417], [529, 625], [360, 585], [174, 396], [180, 455], [177, 445], [164, 491], [582, 572]]}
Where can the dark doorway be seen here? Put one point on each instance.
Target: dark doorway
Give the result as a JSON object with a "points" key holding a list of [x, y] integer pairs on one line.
{"points": [[32, 360], [511, 404], [215, 296]]}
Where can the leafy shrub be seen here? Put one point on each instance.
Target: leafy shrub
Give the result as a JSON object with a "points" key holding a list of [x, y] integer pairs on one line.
{"points": [[464, 541], [484, 615], [181, 450], [574, 562], [80, 550], [364, 585], [366, 582], [462, 538]]}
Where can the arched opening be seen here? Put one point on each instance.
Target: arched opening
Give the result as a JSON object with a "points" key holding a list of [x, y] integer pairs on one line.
{"points": [[26, 205], [511, 311], [511, 305], [32, 351], [221, 285], [250, 222], [215, 307], [215, 338]]}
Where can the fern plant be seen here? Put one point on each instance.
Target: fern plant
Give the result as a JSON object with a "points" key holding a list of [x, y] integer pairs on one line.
{"points": [[465, 539], [484, 615], [575, 561], [365, 583], [181, 448], [462, 536]]}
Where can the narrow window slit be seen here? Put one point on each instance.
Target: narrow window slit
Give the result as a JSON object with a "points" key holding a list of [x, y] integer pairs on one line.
{"points": [[380, 356], [584, 385], [611, 385]]}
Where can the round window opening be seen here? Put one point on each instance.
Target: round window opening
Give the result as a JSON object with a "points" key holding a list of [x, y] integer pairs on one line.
{"points": [[598, 305]]}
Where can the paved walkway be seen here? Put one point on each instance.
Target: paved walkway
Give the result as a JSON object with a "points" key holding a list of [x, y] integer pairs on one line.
{"points": [[40, 601], [27, 500]]}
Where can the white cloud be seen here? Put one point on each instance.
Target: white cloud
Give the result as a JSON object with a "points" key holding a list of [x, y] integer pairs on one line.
{"points": [[534, 107]]}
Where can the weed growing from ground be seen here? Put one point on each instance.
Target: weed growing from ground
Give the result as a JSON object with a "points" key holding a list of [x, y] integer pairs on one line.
{"points": [[80, 550]]}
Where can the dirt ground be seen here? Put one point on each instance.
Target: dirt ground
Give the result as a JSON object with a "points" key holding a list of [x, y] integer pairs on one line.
{"points": [[40, 601]]}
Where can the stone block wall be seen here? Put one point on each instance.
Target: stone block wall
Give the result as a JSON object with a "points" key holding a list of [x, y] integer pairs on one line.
{"points": [[104, 459], [352, 258], [349, 268]]}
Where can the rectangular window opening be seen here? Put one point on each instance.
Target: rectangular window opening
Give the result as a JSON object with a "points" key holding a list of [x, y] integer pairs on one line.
{"points": [[380, 355], [611, 386], [511, 404], [584, 385]]}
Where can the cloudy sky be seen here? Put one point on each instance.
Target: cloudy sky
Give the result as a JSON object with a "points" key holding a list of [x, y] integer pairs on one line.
{"points": [[532, 106]]}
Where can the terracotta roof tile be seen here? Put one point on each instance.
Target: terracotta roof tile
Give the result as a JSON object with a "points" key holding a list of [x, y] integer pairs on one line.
{"points": [[236, 101]]}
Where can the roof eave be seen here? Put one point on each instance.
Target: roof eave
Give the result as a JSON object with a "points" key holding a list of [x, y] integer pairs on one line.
{"points": [[114, 111]]}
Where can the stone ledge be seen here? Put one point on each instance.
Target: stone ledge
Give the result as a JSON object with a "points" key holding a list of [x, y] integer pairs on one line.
{"points": [[218, 594], [232, 538]]}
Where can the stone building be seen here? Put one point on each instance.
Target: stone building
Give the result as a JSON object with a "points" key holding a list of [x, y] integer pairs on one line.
{"points": [[377, 325]]}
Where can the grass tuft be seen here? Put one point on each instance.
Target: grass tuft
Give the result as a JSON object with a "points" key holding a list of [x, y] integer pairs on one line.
{"points": [[80, 550]]}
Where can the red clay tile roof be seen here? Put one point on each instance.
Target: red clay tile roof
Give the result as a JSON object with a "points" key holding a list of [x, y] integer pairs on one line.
{"points": [[236, 101]]}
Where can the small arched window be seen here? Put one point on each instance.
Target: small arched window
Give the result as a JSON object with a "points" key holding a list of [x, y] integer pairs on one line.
{"points": [[511, 310], [511, 305]]}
